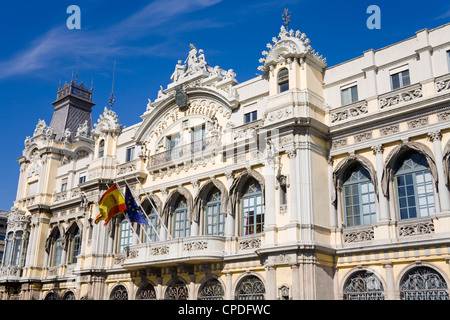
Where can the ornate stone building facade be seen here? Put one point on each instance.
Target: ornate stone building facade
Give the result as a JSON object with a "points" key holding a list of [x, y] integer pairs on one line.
{"points": [[307, 182]]}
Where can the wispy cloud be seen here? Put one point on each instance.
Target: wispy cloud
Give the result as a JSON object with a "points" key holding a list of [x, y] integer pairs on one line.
{"points": [[94, 46]]}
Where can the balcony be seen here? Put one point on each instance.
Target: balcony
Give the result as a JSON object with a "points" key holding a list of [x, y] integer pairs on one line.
{"points": [[12, 273], [185, 152], [134, 168], [196, 248]]}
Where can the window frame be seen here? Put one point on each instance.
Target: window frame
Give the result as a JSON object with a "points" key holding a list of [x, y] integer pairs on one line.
{"points": [[352, 94], [214, 218], [181, 226], [249, 227], [125, 236], [420, 169], [283, 83], [130, 154], [401, 79], [101, 148], [357, 185], [251, 116]]}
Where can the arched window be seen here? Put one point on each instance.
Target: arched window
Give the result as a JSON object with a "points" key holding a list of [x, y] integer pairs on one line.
{"points": [[177, 291], [252, 221], [69, 295], [211, 290], [283, 80], [181, 224], [153, 229], [147, 292], [51, 296], [8, 250], [57, 251], [414, 185], [75, 246], [214, 218], [423, 283], [359, 197], [363, 285], [101, 149], [125, 236], [250, 288], [119, 293], [17, 249]]}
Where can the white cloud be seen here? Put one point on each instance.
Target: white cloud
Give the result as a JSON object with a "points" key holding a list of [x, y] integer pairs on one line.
{"points": [[60, 42]]}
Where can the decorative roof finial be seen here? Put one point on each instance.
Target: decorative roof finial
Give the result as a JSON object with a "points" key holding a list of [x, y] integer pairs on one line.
{"points": [[112, 98], [286, 17]]}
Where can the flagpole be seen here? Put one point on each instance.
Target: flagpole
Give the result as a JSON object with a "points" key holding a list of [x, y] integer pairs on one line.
{"points": [[144, 213], [157, 214], [126, 216]]}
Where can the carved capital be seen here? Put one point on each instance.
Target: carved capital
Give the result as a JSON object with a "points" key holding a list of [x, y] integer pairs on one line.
{"points": [[435, 135], [378, 149], [291, 153]]}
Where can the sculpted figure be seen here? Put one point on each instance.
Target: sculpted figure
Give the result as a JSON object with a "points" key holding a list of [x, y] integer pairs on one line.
{"points": [[180, 70]]}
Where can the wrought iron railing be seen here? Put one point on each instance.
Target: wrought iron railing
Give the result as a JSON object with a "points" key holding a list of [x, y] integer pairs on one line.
{"points": [[187, 150]]}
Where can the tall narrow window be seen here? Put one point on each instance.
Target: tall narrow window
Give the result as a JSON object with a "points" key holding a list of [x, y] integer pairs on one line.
{"points": [[8, 250], [129, 154], [125, 236], [283, 80], [17, 249], [57, 252], [101, 149], [448, 60], [359, 197], [64, 184], [215, 220], [75, 247], [152, 230], [414, 184], [349, 95], [252, 221], [400, 79], [198, 138], [181, 224]]}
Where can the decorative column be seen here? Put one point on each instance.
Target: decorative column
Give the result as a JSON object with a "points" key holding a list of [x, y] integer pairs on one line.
{"points": [[195, 224], [293, 208], [383, 201], [295, 282], [333, 211], [192, 286], [163, 232], [269, 195], [390, 294], [305, 185], [444, 194], [271, 281], [228, 287], [229, 218]]}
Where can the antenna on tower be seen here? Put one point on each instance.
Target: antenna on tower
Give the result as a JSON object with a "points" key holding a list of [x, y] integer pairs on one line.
{"points": [[76, 75], [112, 98]]}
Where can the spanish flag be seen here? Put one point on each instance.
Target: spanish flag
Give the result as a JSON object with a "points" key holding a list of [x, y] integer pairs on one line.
{"points": [[111, 203]]}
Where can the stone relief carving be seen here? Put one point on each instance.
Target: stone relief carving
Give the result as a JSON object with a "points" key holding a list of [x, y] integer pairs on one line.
{"points": [[397, 98], [339, 143], [415, 229], [195, 246], [389, 130], [358, 236], [417, 123], [246, 244], [443, 85], [350, 112], [84, 130], [363, 136], [108, 124]]}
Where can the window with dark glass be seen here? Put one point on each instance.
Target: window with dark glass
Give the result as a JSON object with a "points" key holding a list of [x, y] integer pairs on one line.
{"points": [[101, 149], [283, 80], [129, 154], [125, 236], [250, 117], [400, 79]]}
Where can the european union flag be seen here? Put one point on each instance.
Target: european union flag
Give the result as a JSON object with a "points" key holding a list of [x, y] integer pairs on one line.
{"points": [[134, 214]]}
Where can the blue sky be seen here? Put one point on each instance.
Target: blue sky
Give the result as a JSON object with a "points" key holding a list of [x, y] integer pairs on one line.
{"points": [[146, 38]]}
